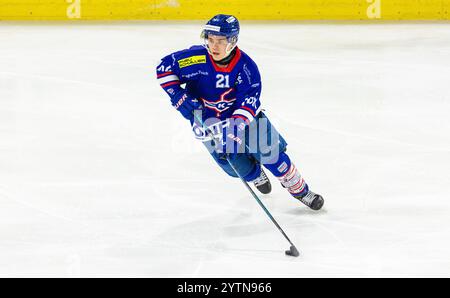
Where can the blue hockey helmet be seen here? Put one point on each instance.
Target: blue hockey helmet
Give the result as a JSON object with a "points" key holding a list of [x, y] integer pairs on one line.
{"points": [[222, 25]]}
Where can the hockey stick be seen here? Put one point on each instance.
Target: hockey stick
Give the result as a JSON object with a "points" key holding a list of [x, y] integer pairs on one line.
{"points": [[293, 252]]}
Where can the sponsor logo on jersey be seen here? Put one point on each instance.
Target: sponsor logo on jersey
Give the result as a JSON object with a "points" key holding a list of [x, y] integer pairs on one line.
{"points": [[214, 130], [194, 74], [248, 73], [239, 80], [251, 101], [192, 61]]}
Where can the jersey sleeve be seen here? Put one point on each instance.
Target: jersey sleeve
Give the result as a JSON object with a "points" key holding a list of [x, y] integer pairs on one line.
{"points": [[248, 92], [168, 75]]}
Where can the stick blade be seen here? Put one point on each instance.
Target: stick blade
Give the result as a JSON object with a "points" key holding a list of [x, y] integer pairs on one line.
{"points": [[292, 252]]}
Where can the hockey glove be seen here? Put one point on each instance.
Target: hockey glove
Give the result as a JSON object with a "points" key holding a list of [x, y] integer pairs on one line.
{"points": [[185, 104], [232, 140]]}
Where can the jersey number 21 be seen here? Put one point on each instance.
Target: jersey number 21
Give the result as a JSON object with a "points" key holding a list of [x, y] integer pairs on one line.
{"points": [[223, 81]]}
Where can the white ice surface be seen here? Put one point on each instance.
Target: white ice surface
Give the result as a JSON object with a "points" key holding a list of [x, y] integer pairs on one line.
{"points": [[99, 176]]}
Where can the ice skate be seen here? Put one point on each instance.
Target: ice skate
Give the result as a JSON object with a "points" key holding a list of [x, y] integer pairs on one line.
{"points": [[298, 188], [312, 200], [262, 183]]}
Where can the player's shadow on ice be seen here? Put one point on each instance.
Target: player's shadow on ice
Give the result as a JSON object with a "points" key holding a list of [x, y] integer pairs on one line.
{"points": [[306, 211]]}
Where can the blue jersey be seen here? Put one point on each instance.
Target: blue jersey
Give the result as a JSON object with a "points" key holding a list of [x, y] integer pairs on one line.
{"points": [[231, 92]]}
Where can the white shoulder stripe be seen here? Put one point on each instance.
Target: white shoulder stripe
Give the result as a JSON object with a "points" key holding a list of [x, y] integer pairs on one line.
{"points": [[168, 79], [244, 113]]}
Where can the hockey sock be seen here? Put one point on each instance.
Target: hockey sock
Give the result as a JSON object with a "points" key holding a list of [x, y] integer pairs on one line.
{"points": [[288, 175]]}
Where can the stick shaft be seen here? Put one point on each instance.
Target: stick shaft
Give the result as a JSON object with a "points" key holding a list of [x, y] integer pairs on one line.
{"points": [[259, 202], [255, 196]]}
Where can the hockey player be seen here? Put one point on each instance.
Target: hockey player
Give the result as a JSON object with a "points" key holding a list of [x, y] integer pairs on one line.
{"points": [[217, 87]]}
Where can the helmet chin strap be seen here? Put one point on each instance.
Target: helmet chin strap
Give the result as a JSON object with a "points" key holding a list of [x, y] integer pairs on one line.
{"points": [[230, 48], [228, 58], [229, 51]]}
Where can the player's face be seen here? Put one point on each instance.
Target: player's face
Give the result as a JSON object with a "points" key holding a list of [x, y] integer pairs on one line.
{"points": [[218, 46]]}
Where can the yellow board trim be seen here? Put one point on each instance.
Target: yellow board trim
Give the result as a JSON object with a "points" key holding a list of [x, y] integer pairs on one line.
{"points": [[243, 9]]}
